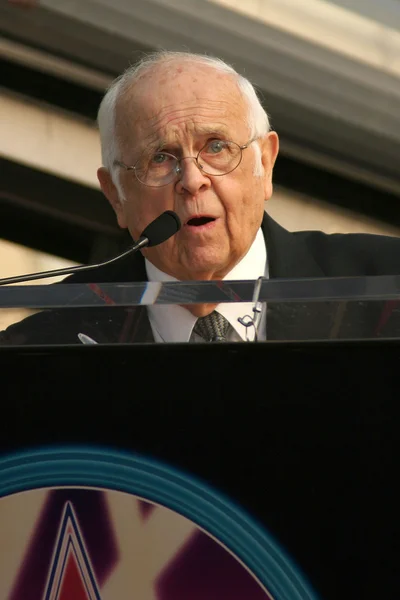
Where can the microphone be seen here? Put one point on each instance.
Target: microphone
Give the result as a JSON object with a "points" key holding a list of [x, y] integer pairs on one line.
{"points": [[158, 231]]}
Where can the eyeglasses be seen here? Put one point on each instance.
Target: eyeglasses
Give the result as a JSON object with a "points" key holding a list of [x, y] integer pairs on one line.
{"points": [[217, 157]]}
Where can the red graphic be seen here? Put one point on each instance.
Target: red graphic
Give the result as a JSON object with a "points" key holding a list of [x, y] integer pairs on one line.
{"points": [[71, 575], [72, 585]]}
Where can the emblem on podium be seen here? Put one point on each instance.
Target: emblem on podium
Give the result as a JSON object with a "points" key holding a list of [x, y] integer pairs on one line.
{"points": [[94, 524]]}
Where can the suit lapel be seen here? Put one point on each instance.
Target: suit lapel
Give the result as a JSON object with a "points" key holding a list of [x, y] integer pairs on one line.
{"points": [[289, 257], [133, 324], [137, 327]]}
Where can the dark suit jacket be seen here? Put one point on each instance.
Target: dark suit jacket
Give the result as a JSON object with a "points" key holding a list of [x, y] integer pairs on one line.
{"points": [[304, 254]]}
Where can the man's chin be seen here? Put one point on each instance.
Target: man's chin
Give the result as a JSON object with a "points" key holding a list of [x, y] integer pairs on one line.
{"points": [[209, 263], [200, 310], [205, 270], [200, 264]]}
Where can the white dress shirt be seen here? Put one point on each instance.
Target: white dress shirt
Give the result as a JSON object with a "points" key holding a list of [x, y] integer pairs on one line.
{"points": [[174, 323]]}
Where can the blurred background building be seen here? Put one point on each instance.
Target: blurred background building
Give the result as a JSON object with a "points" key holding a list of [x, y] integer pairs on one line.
{"points": [[328, 73]]}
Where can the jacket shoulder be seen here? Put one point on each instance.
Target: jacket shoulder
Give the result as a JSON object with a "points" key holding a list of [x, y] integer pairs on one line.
{"points": [[353, 254]]}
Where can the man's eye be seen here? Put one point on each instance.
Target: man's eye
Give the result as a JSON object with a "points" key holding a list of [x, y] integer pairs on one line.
{"points": [[160, 157], [216, 146]]}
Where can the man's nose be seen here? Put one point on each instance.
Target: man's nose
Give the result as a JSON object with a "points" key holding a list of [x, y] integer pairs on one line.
{"points": [[191, 176]]}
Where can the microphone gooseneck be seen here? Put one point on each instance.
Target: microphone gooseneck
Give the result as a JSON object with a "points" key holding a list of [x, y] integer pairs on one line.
{"points": [[158, 231]]}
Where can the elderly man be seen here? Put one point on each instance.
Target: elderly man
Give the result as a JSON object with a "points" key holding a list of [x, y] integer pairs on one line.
{"points": [[186, 132]]}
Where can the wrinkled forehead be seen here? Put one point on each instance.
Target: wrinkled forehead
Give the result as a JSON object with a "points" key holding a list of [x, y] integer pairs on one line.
{"points": [[173, 97]]}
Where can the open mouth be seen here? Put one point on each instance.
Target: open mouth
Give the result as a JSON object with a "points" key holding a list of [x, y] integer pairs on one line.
{"points": [[199, 221]]}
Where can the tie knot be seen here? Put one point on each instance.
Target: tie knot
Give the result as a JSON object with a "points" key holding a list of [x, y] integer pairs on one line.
{"points": [[212, 328]]}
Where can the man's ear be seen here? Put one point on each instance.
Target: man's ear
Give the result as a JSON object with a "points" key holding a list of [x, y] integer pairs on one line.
{"points": [[111, 193], [269, 152]]}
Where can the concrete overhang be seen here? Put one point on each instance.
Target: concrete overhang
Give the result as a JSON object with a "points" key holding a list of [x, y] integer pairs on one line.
{"points": [[330, 108]]}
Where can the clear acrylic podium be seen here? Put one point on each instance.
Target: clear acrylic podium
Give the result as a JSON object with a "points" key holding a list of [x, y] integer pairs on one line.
{"points": [[284, 452], [303, 309]]}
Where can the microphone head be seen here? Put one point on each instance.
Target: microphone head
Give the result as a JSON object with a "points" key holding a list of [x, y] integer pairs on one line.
{"points": [[162, 228]]}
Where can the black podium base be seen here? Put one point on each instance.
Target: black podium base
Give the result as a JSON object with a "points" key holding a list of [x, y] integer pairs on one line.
{"points": [[303, 436]]}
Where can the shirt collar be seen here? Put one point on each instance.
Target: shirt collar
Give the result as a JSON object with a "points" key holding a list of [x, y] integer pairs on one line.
{"points": [[174, 323]]}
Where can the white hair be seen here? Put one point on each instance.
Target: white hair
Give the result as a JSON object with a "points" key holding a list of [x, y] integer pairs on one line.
{"points": [[257, 118]]}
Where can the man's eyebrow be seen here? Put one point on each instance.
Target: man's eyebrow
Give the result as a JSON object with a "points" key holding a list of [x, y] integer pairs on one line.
{"points": [[161, 143], [221, 130], [151, 147]]}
